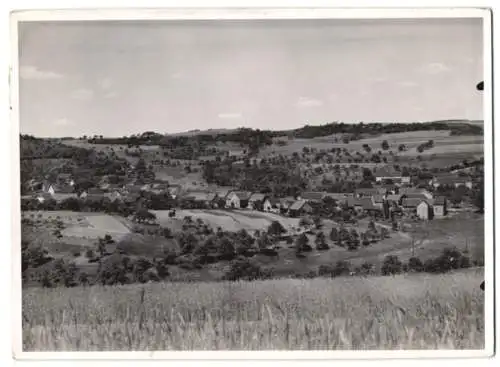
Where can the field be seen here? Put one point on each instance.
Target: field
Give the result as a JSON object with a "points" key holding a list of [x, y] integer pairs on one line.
{"points": [[444, 143], [400, 312], [229, 220]]}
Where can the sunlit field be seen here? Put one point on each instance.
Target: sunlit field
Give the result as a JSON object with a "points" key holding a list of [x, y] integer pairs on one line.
{"points": [[400, 312]]}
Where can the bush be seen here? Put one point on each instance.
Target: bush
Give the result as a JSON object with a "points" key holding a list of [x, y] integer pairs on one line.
{"points": [[415, 265], [342, 268], [450, 259], [243, 269], [392, 265]]}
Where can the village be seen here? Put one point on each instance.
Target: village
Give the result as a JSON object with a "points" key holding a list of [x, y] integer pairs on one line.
{"points": [[392, 195]]}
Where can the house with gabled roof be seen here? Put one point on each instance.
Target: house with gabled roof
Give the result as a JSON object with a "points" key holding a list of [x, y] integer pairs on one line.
{"points": [[312, 196], [272, 204], [424, 210], [223, 191], [440, 207], [255, 200], [286, 203], [200, 197], [237, 199], [415, 193], [300, 207]]}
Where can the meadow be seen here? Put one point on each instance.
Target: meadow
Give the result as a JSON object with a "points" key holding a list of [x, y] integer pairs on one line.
{"points": [[397, 312], [229, 220]]}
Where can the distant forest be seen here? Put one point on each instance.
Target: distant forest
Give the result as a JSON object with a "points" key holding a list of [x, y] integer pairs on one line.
{"points": [[254, 138]]}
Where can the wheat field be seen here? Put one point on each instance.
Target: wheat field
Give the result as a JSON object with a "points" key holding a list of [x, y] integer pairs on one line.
{"points": [[397, 312]]}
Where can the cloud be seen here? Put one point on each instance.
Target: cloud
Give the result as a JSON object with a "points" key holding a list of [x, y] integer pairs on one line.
{"points": [[309, 102], [435, 68], [377, 79], [230, 115], [408, 83], [62, 122], [110, 94], [177, 75], [82, 94], [29, 72], [106, 83]]}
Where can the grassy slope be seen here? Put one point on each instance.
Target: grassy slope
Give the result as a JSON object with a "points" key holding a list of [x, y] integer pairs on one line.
{"points": [[408, 312], [461, 230]]}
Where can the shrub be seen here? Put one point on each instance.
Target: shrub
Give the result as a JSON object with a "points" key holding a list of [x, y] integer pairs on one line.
{"points": [[450, 259], [392, 265], [243, 269], [415, 265], [342, 268]]}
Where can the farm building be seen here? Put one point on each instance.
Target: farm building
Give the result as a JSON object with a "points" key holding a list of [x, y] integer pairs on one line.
{"points": [[222, 192], [424, 210], [132, 197], [272, 205], [237, 199], [114, 195], [378, 200], [92, 191], [366, 192], [414, 193], [43, 197], [385, 175], [300, 207], [339, 197], [174, 190], [286, 203], [61, 189], [451, 180], [440, 207], [394, 198], [312, 196], [256, 201], [200, 199], [65, 179], [59, 197]]}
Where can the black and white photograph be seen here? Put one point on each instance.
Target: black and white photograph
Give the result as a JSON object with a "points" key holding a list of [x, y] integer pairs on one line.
{"points": [[254, 183]]}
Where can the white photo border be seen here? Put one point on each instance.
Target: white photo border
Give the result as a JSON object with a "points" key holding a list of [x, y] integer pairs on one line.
{"points": [[268, 14]]}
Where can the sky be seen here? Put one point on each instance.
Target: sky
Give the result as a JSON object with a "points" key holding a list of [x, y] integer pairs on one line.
{"points": [[126, 77]]}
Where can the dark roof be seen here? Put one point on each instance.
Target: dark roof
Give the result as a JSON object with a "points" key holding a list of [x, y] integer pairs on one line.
{"points": [[365, 203], [352, 202], [384, 172], [132, 197], [299, 204], [95, 191], [64, 189], [440, 200], [372, 191], [257, 197], [392, 197], [63, 196], [242, 195], [338, 196], [200, 196], [274, 201], [287, 200], [94, 197], [412, 202], [312, 195]]}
